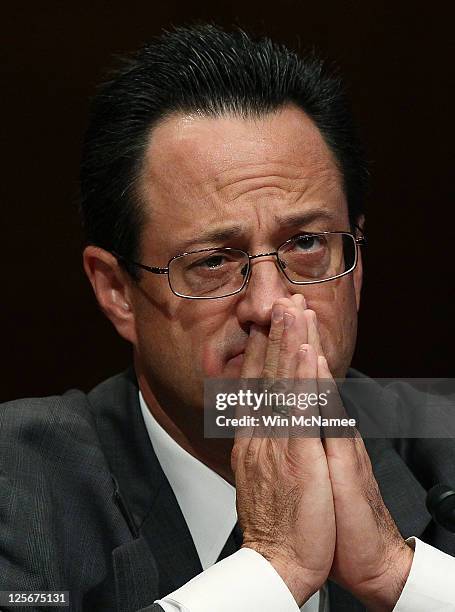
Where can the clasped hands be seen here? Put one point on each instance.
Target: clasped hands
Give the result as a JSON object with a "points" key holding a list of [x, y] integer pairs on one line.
{"points": [[312, 506]]}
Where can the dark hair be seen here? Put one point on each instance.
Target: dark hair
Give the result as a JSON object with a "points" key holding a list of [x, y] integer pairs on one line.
{"points": [[207, 70]]}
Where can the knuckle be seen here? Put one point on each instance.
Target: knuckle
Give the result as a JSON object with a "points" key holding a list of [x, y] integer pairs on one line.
{"points": [[235, 455], [282, 372], [283, 301], [249, 458], [270, 453], [268, 371], [310, 315], [275, 334]]}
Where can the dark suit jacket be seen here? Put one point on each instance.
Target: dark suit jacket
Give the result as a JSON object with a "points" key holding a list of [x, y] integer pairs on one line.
{"points": [[85, 506]]}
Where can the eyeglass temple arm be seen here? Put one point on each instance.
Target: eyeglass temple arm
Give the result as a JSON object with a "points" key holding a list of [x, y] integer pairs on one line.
{"points": [[152, 269], [360, 240]]}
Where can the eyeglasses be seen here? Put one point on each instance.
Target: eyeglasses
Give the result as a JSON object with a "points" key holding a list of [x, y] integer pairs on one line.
{"points": [[305, 259]]}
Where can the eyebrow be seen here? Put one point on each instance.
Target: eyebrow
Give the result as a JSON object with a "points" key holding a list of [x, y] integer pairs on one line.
{"points": [[224, 233], [315, 214]]}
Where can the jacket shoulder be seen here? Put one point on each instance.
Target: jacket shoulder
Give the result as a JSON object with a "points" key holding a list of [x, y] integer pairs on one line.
{"points": [[72, 415], [57, 496], [34, 422]]}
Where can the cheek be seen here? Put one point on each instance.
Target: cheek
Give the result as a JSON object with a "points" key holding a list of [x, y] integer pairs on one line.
{"points": [[211, 362], [213, 343], [183, 334], [336, 311]]}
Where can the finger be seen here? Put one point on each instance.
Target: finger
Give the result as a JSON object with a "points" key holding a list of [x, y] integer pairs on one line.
{"points": [[274, 343], [299, 301], [255, 351], [294, 332], [244, 457], [338, 439], [294, 335], [252, 367], [313, 330], [306, 390], [243, 433], [247, 445]]}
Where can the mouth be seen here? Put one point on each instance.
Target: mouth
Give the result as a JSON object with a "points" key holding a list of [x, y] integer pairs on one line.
{"points": [[236, 359], [233, 366], [236, 351], [226, 358]]}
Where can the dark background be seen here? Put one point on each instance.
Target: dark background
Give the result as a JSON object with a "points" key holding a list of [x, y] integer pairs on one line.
{"points": [[397, 60]]}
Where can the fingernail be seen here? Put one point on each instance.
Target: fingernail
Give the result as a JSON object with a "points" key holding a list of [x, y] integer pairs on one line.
{"points": [[288, 320], [303, 349], [277, 313]]}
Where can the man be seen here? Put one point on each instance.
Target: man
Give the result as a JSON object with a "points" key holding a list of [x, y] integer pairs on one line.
{"points": [[218, 167]]}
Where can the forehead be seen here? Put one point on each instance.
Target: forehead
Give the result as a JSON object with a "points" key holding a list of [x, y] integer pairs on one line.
{"points": [[199, 171]]}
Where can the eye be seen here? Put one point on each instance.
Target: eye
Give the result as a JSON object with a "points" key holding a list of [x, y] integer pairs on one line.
{"points": [[308, 242], [212, 263], [215, 261]]}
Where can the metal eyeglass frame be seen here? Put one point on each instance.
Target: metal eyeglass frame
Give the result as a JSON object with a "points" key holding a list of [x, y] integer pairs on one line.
{"points": [[358, 240]]}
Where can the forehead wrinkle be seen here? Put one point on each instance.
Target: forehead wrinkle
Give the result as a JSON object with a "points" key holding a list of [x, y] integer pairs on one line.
{"points": [[311, 159], [303, 179]]}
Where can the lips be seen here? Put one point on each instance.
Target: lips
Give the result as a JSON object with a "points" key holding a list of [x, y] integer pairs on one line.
{"points": [[236, 358], [234, 365], [236, 352], [228, 353]]}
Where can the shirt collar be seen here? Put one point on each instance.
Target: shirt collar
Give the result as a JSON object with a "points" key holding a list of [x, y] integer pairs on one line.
{"points": [[206, 500]]}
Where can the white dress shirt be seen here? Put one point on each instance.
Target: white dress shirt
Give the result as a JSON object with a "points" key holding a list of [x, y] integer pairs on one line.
{"points": [[245, 581]]}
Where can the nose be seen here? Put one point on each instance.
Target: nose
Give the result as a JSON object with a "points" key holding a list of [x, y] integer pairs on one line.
{"points": [[266, 284]]}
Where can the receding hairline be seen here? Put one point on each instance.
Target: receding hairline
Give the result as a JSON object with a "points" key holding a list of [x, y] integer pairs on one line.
{"points": [[191, 115]]}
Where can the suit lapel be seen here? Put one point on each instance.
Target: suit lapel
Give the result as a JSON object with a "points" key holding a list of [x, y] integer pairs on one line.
{"points": [[402, 493], [161, 555], [126, 444], [168, 536], [136, 575]]}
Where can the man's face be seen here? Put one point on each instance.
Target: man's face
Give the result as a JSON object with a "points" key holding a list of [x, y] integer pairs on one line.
{"points": [[269, 178]]}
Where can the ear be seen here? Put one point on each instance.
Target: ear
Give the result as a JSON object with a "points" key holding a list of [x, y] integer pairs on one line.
{"points": [[112, 287], [358, 272]]}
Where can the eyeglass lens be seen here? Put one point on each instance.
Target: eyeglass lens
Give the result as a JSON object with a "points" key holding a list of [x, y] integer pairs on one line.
{"points": [[220, 272]]}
